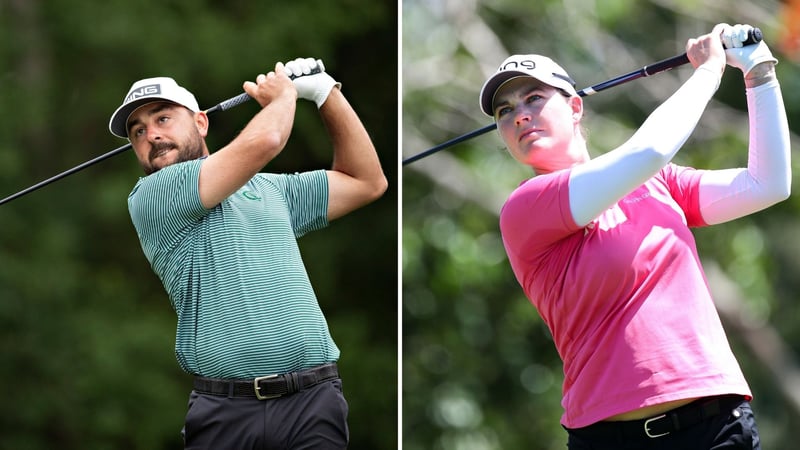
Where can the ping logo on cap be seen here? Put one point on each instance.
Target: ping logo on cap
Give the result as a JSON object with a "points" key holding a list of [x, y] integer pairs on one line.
{"points": [[144, 91], [530, 65], [526, 64]]}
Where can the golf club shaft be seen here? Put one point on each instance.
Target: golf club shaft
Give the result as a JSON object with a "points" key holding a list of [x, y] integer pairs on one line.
{"points": [[222, 106], [754, 37]]}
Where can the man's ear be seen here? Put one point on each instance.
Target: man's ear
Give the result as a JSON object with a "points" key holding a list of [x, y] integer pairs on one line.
{"points": [[201, 122]]}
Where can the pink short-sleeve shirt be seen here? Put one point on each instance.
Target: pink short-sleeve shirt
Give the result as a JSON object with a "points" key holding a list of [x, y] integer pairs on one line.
{"points": [[625, 297]]}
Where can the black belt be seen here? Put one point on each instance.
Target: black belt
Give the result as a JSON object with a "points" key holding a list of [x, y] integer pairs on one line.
{"points": [[663, 424], [269, 386]]}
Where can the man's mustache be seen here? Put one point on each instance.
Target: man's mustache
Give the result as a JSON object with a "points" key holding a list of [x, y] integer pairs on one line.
{"points": [[159, 148]]}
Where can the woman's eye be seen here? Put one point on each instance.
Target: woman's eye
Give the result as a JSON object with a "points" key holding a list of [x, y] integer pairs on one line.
{"points": [[503, 111], [533, 98]]}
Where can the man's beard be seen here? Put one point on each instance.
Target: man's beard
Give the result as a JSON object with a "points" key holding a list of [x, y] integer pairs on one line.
{"points": [[190, 150]]}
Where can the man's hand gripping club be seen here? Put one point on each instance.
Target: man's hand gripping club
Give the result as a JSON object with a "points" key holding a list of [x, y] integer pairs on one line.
{"points": [[310, 79]]}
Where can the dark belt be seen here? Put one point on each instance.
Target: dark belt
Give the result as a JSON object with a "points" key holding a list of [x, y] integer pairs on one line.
{"points": [[269, 386], [662, 425]]}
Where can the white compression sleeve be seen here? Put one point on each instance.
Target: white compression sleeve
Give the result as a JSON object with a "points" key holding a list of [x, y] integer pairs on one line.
{"points": [[729, 194], [595, 185]]}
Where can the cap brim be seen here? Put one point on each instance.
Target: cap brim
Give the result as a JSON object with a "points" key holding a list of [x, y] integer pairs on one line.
{"points": [[493, 84], [118, 125]]}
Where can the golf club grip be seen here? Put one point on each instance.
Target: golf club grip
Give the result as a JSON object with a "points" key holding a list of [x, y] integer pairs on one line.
{"points": [[754, 36], [243, 97]]}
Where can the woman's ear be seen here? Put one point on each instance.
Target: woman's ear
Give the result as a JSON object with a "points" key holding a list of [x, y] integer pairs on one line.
{"points": [[576, 103]]}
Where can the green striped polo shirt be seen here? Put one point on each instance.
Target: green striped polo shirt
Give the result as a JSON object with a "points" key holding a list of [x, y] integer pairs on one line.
{"points": [[234, 273]]}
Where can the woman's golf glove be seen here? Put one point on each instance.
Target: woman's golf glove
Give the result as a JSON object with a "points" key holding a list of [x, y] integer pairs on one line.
{"points": [[741, 56]]}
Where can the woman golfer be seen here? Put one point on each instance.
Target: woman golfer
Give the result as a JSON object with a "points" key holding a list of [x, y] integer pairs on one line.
{"points": [[603, 249]]}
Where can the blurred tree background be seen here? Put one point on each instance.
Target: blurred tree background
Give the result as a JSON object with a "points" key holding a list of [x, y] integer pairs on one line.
{"points": [[86, 330], [479, 367]]}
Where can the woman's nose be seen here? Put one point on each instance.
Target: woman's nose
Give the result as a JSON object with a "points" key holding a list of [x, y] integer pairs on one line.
{"points": [[522, 117]]}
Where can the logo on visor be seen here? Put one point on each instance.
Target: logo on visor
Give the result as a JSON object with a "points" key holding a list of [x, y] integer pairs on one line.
{"points": [[525, 64], [144, 91]]}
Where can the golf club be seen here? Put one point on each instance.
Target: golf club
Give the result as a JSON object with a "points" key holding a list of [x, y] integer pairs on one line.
{"points": [[754, 37], [222, 106]]}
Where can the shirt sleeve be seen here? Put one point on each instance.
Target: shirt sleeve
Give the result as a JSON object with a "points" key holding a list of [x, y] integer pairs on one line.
{"points": [[684, 187], [537, 214], [306, 196], [166, 204]]}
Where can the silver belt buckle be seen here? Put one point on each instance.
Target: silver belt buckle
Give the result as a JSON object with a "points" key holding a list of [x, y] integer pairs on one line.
{"points": [[257, 388], [647, 427]]}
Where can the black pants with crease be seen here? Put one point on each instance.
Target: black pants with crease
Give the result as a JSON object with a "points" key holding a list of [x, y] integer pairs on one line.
{"points": [[314, 418]]}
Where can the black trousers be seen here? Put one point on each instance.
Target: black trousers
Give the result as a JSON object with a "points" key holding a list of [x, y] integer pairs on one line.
{"points": [[314, 418], [733, 429]]}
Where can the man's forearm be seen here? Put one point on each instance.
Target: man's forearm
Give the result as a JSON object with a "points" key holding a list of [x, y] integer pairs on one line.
{"points": [[353, 151]]}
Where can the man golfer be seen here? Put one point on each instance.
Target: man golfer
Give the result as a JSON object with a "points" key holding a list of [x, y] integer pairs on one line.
{"points": [[222, 238]]}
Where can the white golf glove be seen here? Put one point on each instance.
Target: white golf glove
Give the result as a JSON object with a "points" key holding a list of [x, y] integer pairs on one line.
{"points": [[311, 86], [744, 57]]}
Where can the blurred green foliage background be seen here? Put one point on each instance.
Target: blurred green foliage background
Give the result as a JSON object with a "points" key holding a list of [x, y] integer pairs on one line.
{"points": [[86, 330], [479, 368]]}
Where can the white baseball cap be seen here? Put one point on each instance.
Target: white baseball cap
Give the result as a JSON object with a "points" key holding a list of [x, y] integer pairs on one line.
{"points": [[147, 91], [540, 67]]}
